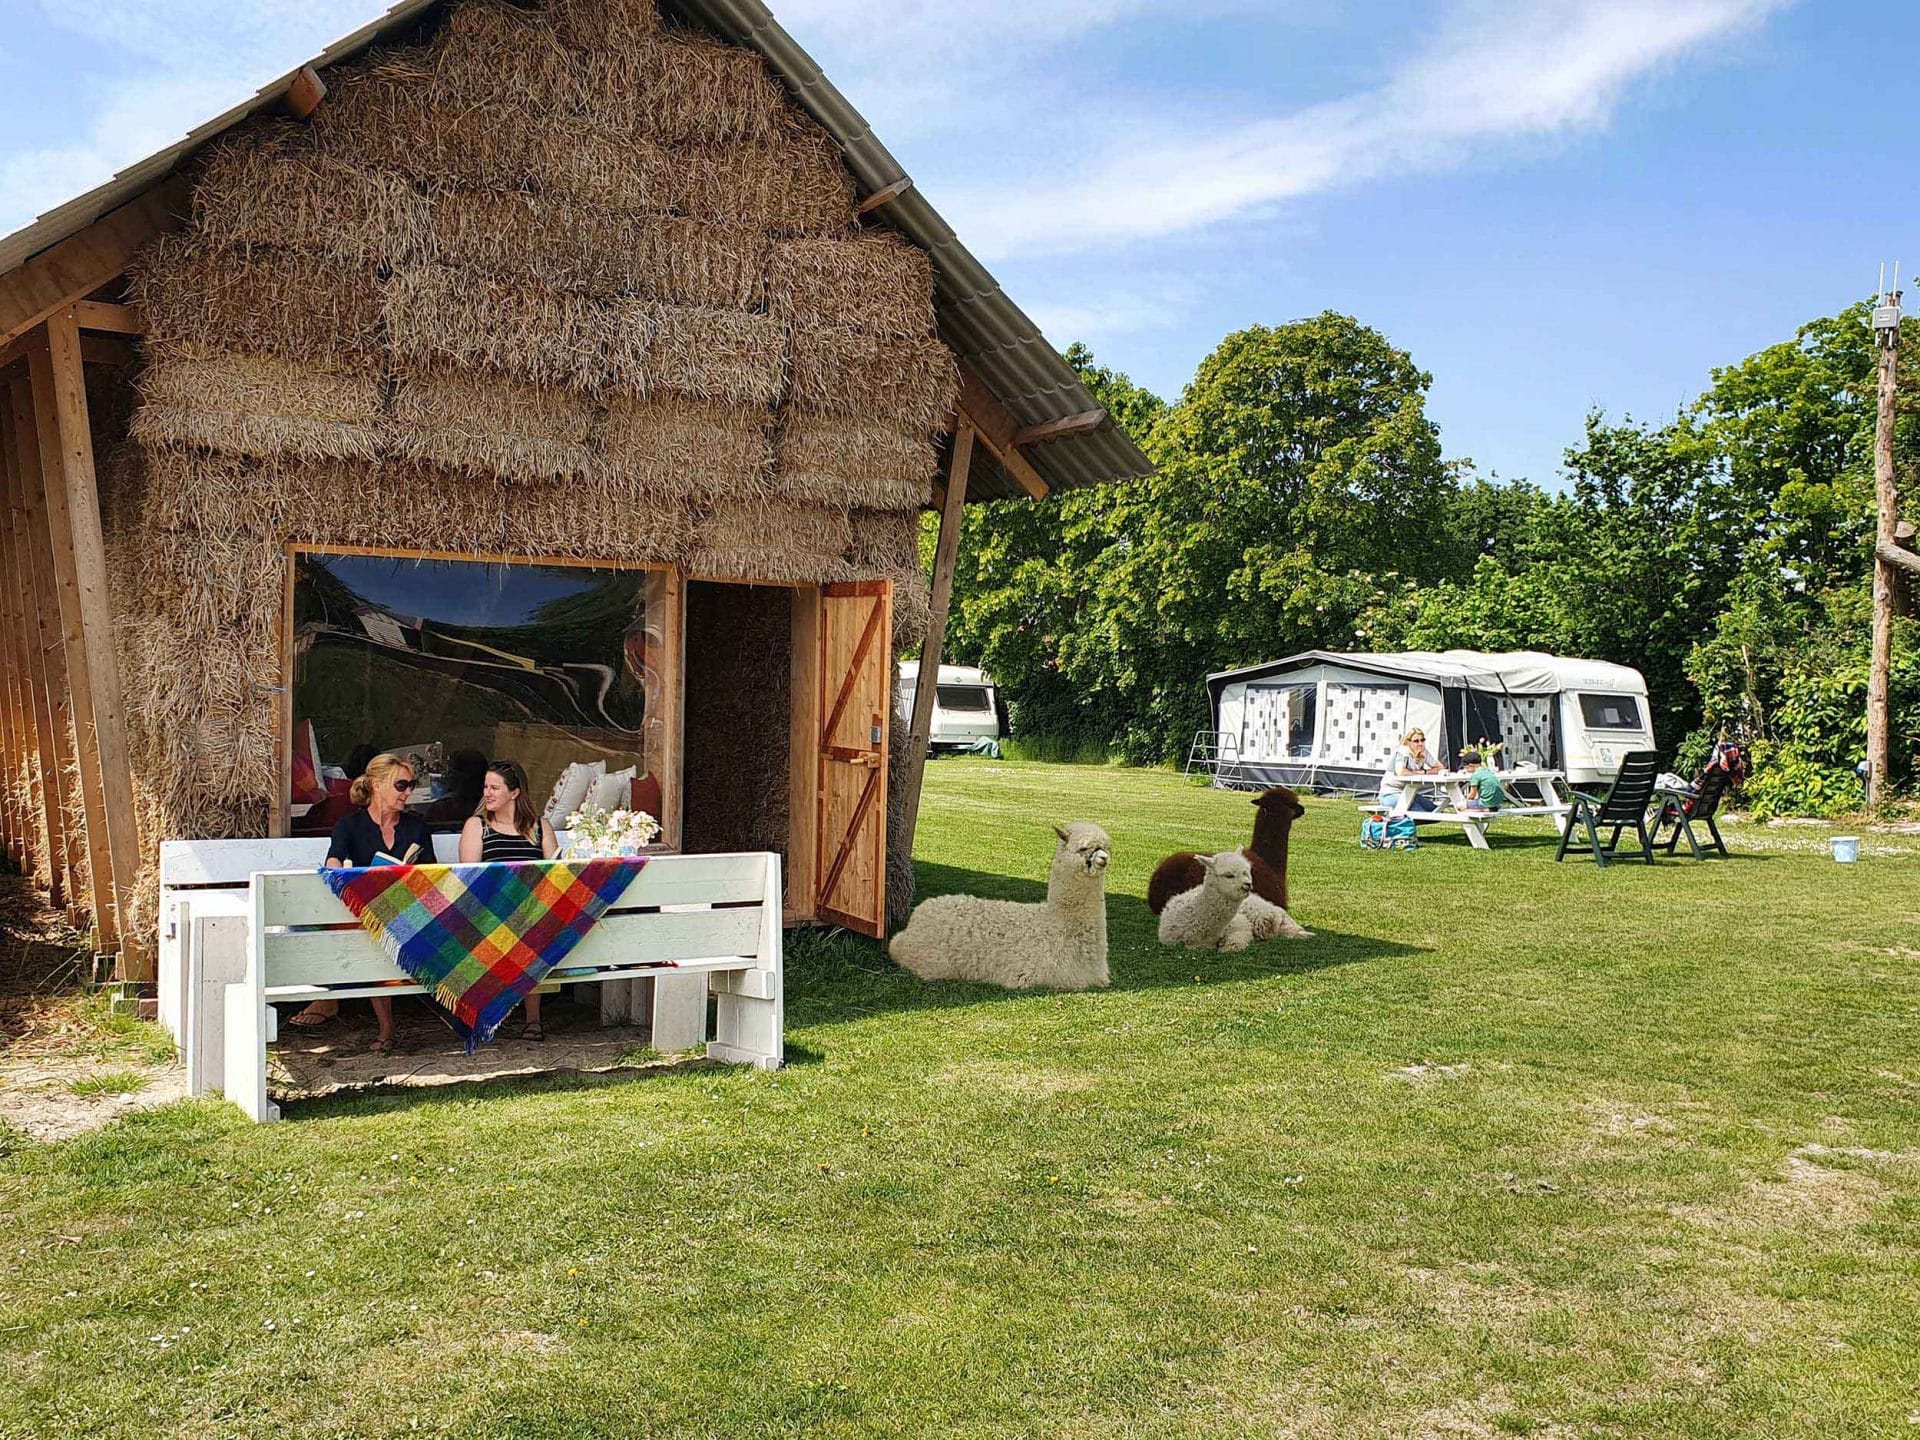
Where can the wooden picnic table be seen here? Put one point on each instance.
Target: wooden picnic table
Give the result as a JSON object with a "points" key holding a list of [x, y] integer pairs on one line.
{"points": [[1555, 803]]}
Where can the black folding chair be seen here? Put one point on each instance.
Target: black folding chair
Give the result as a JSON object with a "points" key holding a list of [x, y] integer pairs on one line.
{"points": [[1625, 804], [1684, 812]]}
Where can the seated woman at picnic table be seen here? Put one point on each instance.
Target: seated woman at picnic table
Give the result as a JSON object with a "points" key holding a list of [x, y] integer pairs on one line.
{"points": [[1484, 789], [1410, 758], [507, 827], [377, 830]]}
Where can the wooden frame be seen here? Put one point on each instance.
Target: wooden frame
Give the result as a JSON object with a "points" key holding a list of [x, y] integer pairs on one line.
{"points": [[802, 707], [665, 586]]}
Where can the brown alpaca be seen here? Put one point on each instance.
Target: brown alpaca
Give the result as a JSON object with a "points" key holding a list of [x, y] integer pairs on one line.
{"points": [[1276, 810]]}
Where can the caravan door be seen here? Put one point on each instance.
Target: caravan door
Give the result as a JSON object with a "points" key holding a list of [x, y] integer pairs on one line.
{"points": [[856, 671]]}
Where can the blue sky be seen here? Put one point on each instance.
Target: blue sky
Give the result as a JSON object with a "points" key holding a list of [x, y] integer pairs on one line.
{"points": [[1553, 204]]}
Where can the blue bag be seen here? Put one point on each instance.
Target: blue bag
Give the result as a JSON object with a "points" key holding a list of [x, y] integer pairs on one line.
{"points": [[1389, 832]]}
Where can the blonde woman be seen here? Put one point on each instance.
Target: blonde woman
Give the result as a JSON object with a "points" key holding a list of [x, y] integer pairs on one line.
{"points": [[1411, 758], [507, 827], [378, 826]]}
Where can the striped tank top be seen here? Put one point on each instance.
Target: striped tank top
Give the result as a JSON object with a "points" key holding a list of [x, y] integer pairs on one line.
{"points": [[495, 846]]}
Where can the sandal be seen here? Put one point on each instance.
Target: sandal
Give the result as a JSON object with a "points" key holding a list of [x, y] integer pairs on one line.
{"points": [[532, 1031], [307, 1020], [383, 1045]]}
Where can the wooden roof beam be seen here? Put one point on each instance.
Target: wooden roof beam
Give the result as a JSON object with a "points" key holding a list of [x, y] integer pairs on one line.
{"points": [[1059, 429], [305, 92], [111, 319], [884, 194], [996, 429], [64, 274]]}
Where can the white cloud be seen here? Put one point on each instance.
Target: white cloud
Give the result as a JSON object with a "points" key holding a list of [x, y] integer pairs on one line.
{"points": [[1494, 73], [151, 70]]}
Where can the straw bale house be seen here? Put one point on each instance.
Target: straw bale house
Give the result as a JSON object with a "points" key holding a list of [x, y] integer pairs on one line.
{"points": [[557, 381]]}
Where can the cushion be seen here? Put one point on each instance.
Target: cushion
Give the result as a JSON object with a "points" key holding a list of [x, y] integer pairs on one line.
{"points": [[613, 790], [646, 795], [570, 790]]}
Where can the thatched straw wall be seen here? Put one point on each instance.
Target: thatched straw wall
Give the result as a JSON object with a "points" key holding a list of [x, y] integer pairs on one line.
{"points": [[555, 282]]}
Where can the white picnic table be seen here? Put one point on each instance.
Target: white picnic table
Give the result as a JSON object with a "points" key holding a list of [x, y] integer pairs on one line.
{"points": [[1456, 788]]}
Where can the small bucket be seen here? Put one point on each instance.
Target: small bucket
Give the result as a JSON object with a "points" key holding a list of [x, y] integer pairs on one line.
{"points": [[1846, 849]]}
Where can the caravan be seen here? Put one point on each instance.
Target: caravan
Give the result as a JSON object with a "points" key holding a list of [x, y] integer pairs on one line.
{"points": [[966, 710], [1331, 719]]}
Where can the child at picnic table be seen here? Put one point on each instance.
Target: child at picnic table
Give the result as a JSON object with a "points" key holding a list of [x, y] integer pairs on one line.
{"points": [[1484, 787]]}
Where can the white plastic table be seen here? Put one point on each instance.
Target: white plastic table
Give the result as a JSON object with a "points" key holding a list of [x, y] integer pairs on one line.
{"points": [[1455, 785]]}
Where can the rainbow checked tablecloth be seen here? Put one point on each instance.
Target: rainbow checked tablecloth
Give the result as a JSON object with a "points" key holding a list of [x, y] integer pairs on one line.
{"points": [[481, 937]]}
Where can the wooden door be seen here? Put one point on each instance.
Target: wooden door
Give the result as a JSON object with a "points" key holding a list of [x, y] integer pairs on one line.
{"points": [[856, 703]]}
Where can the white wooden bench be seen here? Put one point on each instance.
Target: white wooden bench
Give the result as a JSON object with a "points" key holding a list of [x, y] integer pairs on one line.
{"points": [[687, 926]]}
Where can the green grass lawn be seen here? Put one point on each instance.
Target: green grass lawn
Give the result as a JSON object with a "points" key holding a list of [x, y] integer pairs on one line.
{"points": [[1511, 1148]]}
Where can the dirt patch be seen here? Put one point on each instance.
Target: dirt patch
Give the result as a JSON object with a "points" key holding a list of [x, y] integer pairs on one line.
{"points": [[52, 1097], [1479, 1296], [306, 1065], [1818, 1187], [1428, 1070]]}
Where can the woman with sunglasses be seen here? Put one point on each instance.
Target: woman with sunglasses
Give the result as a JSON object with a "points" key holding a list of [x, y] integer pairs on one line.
{"points": [[377, 827], [507, 827]]}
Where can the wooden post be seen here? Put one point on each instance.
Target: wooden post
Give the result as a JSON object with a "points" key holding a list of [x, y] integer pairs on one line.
{"points": [[1886, 331], [22, 828], [47, 660], [945, 552], [80, 561]]}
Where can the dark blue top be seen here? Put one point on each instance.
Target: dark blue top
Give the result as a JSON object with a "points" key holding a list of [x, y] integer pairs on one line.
{"points": [[356, 839]]}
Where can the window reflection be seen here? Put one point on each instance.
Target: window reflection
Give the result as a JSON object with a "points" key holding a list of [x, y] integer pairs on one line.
{"points": [[456, 662]]}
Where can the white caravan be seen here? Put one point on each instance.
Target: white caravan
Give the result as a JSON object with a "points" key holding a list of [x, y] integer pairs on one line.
{"points": [[965, 707], [1331, 719]]}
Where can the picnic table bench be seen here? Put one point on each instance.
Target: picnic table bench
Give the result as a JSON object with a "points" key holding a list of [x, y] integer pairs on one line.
{"points": [[249, 924], [1555, 802]]}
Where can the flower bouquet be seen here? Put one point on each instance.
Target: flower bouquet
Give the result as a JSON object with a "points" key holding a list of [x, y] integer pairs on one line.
{"points": [[604, 834]]}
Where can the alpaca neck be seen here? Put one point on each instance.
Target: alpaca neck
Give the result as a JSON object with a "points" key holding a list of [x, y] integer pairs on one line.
{"points": [[1073, 889], [1270, 834]]}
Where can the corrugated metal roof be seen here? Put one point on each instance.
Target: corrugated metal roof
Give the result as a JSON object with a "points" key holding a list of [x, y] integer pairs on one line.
{"points": [[976, 319]]}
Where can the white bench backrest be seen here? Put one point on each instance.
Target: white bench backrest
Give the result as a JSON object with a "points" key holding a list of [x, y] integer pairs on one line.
{"points": [[638, 930]]}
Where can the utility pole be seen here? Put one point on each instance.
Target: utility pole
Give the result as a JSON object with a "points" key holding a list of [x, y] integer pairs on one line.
{"points": [[1886, 335]]}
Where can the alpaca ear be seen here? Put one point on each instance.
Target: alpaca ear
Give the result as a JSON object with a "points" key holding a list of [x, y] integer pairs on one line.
{"points": [[1206, 863], [1061, 831]]}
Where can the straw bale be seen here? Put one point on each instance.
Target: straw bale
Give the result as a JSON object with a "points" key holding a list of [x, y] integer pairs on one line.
{"points": [[521, 234], [272, 187], [732, 356], [599, 522], [617, 26], [439, 316], [506, 55], [380, 118], [884, 542], [681, 261], [794, 183], [777, 525], [875, 282], [688, 89], [200, 295], [258, 405], [491, 427], [833, 461], [702, 449], [904, 383]]}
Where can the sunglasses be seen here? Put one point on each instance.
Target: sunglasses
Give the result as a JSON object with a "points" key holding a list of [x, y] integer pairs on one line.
{"points": [[403, 786]]}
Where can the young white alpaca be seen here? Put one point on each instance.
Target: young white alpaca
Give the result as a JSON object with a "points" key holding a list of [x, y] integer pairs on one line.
{"points": [[1058, 945], [1211, 916], [1269, 920]]}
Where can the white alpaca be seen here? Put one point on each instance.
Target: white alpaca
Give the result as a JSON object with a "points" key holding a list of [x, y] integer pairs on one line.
{"points": [[1058, 945], [1268, 920], [1211, 916]]}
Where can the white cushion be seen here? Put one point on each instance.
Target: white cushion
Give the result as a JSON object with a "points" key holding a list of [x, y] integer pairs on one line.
{"points": [[613, 790], [570, 790]]}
